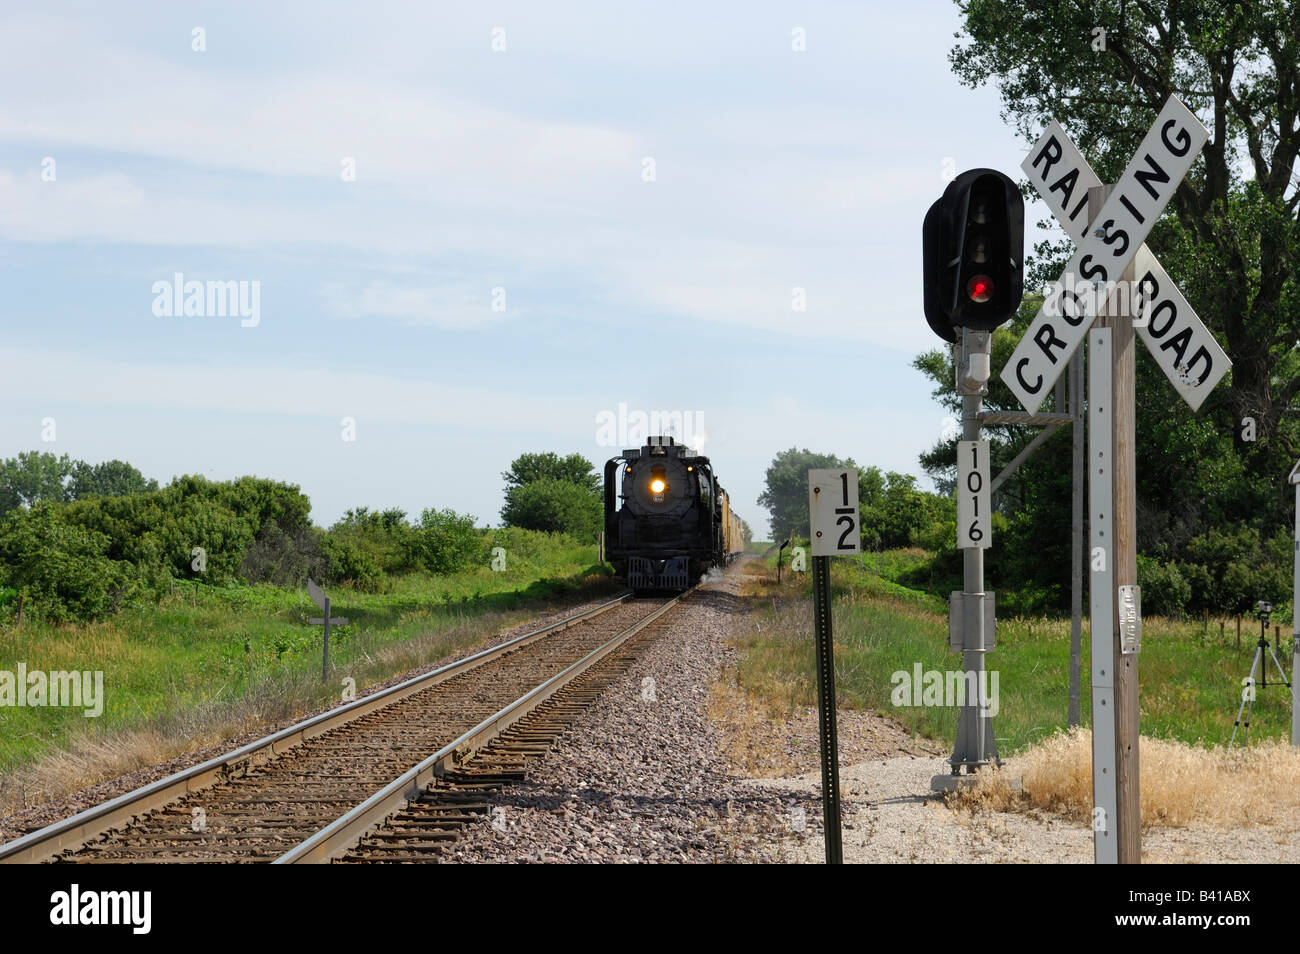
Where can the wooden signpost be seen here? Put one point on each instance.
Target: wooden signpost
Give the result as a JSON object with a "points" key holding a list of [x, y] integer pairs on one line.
{"points": [[1111, 288], [1294, 479], [320, 599]]}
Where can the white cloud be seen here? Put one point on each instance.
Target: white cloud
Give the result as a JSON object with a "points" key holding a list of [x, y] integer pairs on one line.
{"points": [[30, 375], [455, 304], [750, 201]]}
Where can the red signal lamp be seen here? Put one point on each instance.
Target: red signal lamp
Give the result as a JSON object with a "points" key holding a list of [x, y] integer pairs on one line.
{"points": [[980, 288]]}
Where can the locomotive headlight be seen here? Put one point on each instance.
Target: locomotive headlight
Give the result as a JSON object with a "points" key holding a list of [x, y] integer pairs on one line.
{"points": [[657, 484]]}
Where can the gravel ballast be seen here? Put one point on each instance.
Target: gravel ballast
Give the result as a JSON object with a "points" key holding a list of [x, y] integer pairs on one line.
{"points": [[640, 777]]}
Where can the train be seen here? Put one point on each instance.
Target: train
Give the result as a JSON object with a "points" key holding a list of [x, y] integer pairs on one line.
{"points": [[672, 521]]}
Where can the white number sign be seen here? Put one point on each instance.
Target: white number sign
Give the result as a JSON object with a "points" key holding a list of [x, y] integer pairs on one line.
{"points": [[974, 498], [833, 512]]}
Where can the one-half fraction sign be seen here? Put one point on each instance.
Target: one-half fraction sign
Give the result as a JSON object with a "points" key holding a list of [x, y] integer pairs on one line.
{"points": [[974, 497], [833, 510]]}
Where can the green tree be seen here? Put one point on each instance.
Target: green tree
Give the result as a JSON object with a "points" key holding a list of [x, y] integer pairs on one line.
{"points": [[574, 469], [554, 494], [555, 506], [112, 478], [785, 492], [895, 513], [1233, 238], [385, 537], [32, 477]]}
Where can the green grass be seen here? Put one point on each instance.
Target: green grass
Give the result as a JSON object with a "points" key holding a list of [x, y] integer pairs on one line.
{"points": [[203, 648], [1190, 680]]}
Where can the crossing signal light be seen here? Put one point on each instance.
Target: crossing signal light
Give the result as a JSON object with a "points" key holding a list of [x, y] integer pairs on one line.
{"points": [[980, 288], [973, 242]]}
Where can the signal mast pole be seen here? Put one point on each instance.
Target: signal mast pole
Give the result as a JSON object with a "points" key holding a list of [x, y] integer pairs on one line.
{"points": [[975, 744]]}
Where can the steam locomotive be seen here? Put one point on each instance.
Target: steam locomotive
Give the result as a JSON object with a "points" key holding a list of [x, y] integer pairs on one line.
{"points": [[674, 521]]}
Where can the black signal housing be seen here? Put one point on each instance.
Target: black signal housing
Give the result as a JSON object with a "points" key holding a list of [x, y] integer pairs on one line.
{"points": [[973, 241]]}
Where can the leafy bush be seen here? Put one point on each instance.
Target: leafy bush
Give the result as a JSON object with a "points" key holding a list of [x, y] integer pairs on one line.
{"points": [[386, 539], [347, 562], [1164, 590], [62, 568], [79, 540], [1234, 570], [286, 559], [446, 541]]}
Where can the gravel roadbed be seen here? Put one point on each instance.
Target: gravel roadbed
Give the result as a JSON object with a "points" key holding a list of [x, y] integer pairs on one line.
{"points": [[891, 816], [640, 777]]}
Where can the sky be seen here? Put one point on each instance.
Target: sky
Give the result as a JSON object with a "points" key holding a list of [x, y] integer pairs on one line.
{"points": [[472, 231]]}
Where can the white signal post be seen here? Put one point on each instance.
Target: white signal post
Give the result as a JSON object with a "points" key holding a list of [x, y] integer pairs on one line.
{"points": [[970, 610], [1109, 229], [835, 528]]}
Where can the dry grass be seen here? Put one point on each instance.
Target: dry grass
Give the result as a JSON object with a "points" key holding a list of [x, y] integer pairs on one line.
{"points": [[1181, 785], [746, 737]]}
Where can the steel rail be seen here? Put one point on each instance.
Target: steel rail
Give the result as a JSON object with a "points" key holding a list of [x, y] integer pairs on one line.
{"points": [[342, 834], [77, 830]]}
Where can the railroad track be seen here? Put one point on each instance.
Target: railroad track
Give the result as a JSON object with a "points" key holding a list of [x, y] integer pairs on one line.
{"points": [[309, 793], [427, 827]]}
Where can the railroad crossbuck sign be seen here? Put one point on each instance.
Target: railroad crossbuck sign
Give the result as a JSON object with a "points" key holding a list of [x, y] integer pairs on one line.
{"points": [[1175, 336], [833, 512], [320, 599]]}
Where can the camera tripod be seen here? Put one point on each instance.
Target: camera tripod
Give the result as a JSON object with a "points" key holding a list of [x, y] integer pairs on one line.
{"points": [[1248, 693]]}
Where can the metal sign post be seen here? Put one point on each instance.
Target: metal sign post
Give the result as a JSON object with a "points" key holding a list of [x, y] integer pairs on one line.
{"points": [[320, 599], [1101, 595], [827, 731], [1295, 608], [1112, 273], [971, 610], [835, 530]]}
